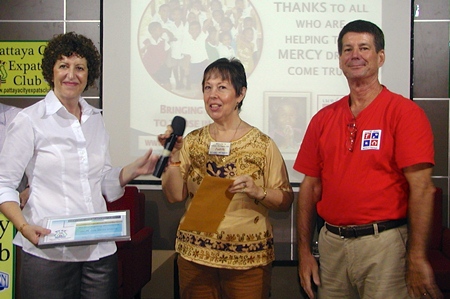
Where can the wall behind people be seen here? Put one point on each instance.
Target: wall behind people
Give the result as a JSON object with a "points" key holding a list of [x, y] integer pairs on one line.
{"points": [[40, 20]]}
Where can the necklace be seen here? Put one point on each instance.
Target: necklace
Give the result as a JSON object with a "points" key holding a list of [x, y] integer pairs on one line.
{"points": [[234, 135], [226, 145]]}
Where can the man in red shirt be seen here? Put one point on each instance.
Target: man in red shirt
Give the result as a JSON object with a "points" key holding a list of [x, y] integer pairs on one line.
{"points": [[367, 160]]}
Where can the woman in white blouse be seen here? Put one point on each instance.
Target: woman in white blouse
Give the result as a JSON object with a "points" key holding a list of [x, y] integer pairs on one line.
{"points": [[62, 145]]}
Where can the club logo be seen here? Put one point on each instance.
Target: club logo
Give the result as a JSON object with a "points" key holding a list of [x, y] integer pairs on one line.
{"points": [[371, 140], [3, 73], [4, 281]]}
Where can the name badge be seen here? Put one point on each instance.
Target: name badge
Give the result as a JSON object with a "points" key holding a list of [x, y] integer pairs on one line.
{"points": [[219, 148]]}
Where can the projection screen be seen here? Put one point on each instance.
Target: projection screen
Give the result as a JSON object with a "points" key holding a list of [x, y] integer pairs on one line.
{"points": [[289, 50]]}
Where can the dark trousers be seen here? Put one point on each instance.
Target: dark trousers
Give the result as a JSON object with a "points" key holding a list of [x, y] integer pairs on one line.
{"points": [[41, 278]]}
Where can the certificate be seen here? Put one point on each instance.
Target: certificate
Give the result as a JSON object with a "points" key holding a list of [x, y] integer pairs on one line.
{"points": [[86, 229], [208, 205]]}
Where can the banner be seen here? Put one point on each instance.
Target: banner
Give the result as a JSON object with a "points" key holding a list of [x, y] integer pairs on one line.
{"points": [[21, 69], [7, 258]]}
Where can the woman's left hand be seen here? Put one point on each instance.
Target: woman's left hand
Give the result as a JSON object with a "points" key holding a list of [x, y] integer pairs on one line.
{"points": [[141, 166], [245, 184], [145, 164]]}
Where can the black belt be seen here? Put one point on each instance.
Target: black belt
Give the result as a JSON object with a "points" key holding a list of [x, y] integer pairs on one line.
{"points": [[354, 231]]}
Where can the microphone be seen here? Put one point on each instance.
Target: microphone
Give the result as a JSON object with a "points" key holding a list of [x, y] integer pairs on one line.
{"points": [[178, 126]]}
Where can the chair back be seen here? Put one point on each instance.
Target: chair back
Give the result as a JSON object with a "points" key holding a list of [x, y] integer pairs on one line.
{"points": [[134, 201]]}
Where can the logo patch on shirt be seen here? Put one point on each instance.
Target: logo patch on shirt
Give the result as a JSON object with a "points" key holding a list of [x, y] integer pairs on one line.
{"points": [[371, 140]]}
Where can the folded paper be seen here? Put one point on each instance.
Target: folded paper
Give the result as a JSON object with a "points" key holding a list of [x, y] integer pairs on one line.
{"points": [[208, 205]]}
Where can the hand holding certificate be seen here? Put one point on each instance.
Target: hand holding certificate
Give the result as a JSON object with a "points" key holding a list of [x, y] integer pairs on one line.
{"points": [[208, 206], [87, 229]]}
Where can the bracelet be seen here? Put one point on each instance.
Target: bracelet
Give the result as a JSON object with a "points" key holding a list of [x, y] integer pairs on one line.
{"points": [[22, 227], [175, 164], [265, 194]]}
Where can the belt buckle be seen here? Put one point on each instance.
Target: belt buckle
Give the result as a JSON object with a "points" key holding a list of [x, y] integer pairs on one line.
{"points": [[344, 230], [340, 233]]}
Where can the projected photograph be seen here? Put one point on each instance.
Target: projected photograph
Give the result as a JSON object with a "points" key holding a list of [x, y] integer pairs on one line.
{"points": [[178, 39], [287, 117]]}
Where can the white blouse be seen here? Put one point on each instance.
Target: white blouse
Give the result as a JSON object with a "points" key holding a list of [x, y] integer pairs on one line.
{"points": [[68, 167]]}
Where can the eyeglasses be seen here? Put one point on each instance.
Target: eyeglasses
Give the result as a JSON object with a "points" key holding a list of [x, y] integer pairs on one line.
{"points": [[352, 129]]}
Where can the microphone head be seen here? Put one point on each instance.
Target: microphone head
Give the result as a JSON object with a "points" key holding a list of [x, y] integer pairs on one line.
{"points": [[178, 125]]}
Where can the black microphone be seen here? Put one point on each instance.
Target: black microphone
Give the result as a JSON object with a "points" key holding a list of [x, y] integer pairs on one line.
{"points": [[178, 126]]}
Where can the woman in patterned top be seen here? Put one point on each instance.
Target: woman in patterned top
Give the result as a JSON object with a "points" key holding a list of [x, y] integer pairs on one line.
{"points": [[235, 261]]}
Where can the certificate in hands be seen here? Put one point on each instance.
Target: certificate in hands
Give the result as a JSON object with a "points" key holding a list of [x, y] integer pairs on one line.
{"points": [[86, 229], [208, 205]]}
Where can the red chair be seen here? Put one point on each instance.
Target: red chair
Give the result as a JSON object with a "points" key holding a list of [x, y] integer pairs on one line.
{"points": [[439, 251], [135, 256]]}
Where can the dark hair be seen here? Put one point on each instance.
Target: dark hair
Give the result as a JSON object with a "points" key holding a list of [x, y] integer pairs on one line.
{"points": [[68, 44], [222, 34], [229, 69], [362, 26], [152, 26]]}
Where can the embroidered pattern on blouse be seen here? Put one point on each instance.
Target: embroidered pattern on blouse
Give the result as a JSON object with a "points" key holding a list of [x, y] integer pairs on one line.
{"points": [[237, 251], [235, 247]]}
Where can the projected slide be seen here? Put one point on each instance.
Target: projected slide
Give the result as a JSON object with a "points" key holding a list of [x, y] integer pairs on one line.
{"points": [[289, 50]]}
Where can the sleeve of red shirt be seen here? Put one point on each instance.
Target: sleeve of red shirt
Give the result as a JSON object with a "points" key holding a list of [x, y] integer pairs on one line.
{"points": [[414, 140]]}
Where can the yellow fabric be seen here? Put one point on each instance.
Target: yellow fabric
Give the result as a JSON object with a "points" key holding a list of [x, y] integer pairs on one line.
{"points": [[244, 238], [208, 206]]}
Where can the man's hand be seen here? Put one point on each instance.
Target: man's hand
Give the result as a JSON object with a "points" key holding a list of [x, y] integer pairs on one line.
{"points": [[308, 269], [420, 279], [309, 195], [419, 274]]}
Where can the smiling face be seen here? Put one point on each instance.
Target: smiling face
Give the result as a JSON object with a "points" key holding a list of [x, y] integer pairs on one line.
{"points": [[220, 98], [70, 76], [359, 58]]}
